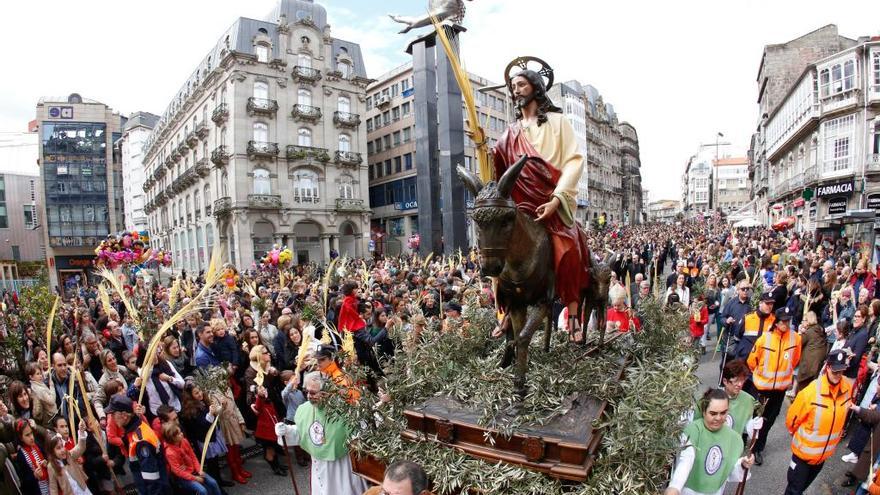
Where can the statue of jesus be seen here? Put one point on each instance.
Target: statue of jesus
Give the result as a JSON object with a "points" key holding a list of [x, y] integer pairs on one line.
{"points": [[547, 186]]}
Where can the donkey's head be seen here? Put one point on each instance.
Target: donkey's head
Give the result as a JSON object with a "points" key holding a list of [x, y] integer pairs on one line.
{"points": [[494, 214]]}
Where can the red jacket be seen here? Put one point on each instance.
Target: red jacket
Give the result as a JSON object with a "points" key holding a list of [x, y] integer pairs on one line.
{"points": [[182, 461], [698, 328], [266, 419], [613, 315], [349, 318], [868, 283]]}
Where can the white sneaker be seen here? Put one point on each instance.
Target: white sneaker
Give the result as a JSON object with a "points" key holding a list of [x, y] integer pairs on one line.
{"points": [[850, 458]]}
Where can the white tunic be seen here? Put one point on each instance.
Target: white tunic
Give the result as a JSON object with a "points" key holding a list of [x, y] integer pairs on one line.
{"points": [[327, 477]]}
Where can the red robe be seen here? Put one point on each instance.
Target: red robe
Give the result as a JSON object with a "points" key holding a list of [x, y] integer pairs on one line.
{"points": [[534, 187], [349, 318]]}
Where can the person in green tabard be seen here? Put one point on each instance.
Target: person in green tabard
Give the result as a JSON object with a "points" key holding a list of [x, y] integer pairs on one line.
{"points": [[325, 439], [712, 451], [740, 417]]}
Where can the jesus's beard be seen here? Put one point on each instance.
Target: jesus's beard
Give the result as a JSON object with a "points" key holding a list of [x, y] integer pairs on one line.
{"points": [[523, 101]]}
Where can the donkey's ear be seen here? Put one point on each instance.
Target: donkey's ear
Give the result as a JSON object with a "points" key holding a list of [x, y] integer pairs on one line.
{"points": [[505, 184], [471, 181]]}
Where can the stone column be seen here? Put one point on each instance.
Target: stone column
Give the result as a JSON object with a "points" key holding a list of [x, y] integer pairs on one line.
{"points": [[427, 173], [325, 248], [451, 140]]}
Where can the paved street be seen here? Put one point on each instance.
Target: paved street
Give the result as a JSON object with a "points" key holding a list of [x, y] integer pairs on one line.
{"points": [[770, 478], [265, 482]]}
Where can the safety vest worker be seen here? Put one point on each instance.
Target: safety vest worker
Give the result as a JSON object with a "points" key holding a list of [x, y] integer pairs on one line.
{"points": [[141, 446], [773, 360], [815, 420], [752, 326]]}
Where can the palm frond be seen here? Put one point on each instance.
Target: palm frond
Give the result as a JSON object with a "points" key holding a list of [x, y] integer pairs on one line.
{"points": [[114, 282], [212, 277], [104, 298]]}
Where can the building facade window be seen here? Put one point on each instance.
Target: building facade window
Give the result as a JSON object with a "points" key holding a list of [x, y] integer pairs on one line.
{"points": [[837, 135], [305, 187], [262, 51], [304, 137], [344, 142], [261, 90], [346, 187], [304, 60], [261, 181], [876, 70], [261, 132], [344, 69], [343, 104], [304, 97]]}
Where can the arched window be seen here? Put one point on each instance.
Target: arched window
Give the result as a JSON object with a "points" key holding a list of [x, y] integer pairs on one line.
{"points": [[261, 181], [346, 187], [344, 142], [305, 187], [224, 191], [304, 97], [343, 104], [261, 132], [262, 52], [207, 196], [304, 60], [197, 204], [344, 69], [304, 137], [261, 90]]}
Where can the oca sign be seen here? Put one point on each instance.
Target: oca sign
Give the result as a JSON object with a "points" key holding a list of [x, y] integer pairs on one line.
{"points": [[61, 112]]}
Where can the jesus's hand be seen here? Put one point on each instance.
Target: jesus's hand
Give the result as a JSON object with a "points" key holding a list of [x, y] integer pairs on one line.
{"points": [[547, 209]]}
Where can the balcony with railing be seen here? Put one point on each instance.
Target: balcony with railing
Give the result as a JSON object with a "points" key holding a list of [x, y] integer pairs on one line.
{"points": [[811, 175], [873, 163], [220, 156], [349, 204], [203, 168], [220, 114], [296, 152], [305, 74], [202, 130], [262, 149], [264, 201], [261, 106], [346, 119], [192, 139], [306, 113], [222, 206], [182, 148], [173, 157], [796, 182], [350, 158], [161, 198]]}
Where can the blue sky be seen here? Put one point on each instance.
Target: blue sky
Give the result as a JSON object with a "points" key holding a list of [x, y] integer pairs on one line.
{"points": [[678, 71]]}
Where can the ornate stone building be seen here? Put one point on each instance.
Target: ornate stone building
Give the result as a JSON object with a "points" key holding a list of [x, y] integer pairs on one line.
{"points": [[264, 145], [611, 185]]}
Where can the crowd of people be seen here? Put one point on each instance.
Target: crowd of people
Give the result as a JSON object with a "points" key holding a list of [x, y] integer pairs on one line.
{"points": [[789, 317]]}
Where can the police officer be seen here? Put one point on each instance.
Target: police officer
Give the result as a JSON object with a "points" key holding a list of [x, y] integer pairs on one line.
{"points": [[142, 447], [815, 421], [773, 359], [752, 326]]}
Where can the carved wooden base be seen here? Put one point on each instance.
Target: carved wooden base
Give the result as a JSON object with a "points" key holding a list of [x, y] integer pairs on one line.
{"points": [[565, 448]]}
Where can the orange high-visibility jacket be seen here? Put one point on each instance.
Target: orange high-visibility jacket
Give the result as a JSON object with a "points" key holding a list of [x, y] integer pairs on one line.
{"points": [[816, 418], [774, 358]]}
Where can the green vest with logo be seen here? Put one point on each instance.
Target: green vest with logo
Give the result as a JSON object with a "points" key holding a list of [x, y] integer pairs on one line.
{"points": [[716, 455], [323, 439], [741, 411]]}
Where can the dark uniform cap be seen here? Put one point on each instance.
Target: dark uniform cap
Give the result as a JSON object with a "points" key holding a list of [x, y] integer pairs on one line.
{"points": [[783, 314], [120, 403], [453, 306], [838, 360], [767, 296]]}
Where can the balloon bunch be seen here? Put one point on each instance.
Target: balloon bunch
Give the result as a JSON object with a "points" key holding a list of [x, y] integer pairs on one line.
{"points": [[127, 248], [277, 257], [230, 278], [161, 258]]}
